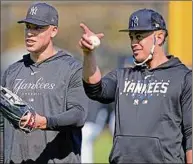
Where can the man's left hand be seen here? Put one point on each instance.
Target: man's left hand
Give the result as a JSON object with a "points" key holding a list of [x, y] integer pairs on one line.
{"points": [[40, 121]]}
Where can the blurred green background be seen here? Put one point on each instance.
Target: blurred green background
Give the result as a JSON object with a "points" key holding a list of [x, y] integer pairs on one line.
{"points": [[102, 147]]}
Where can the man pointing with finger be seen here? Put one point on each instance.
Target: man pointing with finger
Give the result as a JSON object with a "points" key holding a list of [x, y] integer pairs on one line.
{"points": [[153, 99]]}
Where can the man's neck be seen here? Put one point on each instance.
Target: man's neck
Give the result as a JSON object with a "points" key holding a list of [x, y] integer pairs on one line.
{"points": [[158, 59], [41, 56]]}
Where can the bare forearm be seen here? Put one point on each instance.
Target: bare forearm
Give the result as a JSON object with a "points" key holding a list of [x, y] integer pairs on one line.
{"points": [[91, 72], [189, 157]]}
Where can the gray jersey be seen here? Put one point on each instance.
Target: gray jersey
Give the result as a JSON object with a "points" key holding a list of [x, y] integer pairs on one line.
{"points": [[153, 112], [54, 89]]}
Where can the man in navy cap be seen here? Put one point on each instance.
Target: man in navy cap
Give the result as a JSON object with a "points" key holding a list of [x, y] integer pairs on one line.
{"points": [[153, 99], [50, 81]]}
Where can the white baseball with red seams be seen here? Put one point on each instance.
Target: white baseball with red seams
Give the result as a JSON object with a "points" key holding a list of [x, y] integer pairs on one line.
{"points": [[95, 40]]}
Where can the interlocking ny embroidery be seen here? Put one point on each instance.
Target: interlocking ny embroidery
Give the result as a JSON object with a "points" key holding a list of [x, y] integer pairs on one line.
{"points": [[135, 21], [33, 10]]}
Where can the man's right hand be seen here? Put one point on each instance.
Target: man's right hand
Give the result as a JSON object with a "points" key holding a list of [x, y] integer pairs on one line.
{"points": [[85, 42]]}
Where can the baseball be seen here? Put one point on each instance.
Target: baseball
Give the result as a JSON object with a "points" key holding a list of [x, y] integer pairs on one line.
{"points": [[95, 40]]}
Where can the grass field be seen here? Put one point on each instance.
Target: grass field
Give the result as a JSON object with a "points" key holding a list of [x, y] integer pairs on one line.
{"points": [[102, 147]]}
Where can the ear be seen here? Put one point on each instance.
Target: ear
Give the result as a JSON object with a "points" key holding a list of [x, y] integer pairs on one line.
{"points": [[54, 31], [160, 37]]}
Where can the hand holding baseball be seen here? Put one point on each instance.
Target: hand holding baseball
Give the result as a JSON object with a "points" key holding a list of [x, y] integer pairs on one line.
{"points": [[89, 40]]}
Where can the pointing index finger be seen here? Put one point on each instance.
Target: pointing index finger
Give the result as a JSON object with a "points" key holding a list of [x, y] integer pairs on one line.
{"points": [[85, 28]]}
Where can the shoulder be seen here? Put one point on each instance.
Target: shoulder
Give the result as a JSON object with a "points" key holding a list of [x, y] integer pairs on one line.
{"points": [[70, 61], [119, 71], [125, 70], [179, 67], [184, 69], [184, 74], [188, 77], [15, 66]]}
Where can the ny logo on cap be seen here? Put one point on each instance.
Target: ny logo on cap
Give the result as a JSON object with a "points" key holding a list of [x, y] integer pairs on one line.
{"points": [[33, 10], [156, 25], [134, 21]]}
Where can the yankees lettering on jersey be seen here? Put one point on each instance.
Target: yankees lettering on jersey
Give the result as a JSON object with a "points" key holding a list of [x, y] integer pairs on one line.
{"points": [[139, 87], [21, 84], [142, 90]]}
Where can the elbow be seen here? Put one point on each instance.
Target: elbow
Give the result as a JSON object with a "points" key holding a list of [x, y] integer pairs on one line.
{"points": [[92, 90], [81, 117], [92, 96]]}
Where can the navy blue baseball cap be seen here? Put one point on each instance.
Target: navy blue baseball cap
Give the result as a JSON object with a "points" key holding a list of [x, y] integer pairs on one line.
{"points": [[41, 14], [145, 20]]}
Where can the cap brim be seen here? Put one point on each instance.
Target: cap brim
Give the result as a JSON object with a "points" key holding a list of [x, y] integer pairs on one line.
{"points": [[136, 29], [33, 21], [124, 30]]}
